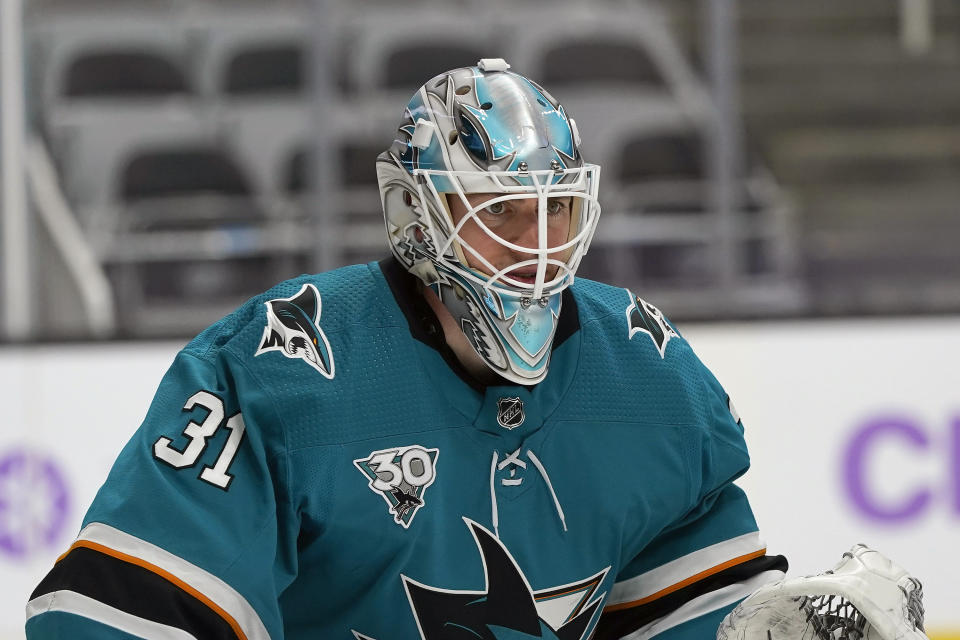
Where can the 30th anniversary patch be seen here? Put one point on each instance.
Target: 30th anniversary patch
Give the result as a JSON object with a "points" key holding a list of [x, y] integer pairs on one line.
{"points": [[401, 476]]}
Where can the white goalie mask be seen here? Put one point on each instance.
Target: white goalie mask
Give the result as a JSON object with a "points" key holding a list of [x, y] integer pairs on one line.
{"points": [[487, 200]]}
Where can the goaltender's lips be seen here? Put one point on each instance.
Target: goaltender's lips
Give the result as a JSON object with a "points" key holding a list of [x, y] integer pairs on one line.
{"points": [[528, 277]]}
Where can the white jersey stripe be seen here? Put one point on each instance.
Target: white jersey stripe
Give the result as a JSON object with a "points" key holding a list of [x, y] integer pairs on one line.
{"points": [[683, 568], [705, 604], [81, 605], [208, 585]]}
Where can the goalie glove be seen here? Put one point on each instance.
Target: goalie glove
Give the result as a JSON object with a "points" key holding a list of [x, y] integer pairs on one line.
{"points": [[865, 597]]}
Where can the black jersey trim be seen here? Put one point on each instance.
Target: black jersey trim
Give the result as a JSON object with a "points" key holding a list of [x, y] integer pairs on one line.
{"points": [[621, 622], [136, 590], [425, 326]]}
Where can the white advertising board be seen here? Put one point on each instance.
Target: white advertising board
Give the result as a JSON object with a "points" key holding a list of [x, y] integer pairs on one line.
{"points": [[854, 434], [68, 410], [854, 431]]}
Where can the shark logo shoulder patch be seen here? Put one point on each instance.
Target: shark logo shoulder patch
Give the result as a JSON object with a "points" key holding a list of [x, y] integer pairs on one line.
{"points": [[293, 329], [644, 317]]}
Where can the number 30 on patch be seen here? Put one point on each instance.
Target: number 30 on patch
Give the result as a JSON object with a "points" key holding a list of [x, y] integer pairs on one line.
{"points": [[401, 476]]}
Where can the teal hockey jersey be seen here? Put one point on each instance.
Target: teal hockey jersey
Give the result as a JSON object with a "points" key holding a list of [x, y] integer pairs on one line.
{"points": [[319, 465]]}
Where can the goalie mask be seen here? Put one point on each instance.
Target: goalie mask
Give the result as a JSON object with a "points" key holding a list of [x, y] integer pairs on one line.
{"points": [[487, 200]]}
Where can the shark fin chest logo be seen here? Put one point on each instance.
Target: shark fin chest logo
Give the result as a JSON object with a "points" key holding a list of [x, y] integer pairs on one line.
{"points": [[508, 608], [643, 317], [293, 330], [400, 476]]}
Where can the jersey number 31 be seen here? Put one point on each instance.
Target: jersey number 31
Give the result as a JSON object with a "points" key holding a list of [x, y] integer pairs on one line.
{"points": [[198, 433]]}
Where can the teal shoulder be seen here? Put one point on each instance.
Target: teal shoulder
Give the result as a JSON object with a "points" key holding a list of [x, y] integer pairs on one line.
{"points": [[614, 306], [330, 354], [344, 296], [650, 372], [597, 300], [639, 378]]}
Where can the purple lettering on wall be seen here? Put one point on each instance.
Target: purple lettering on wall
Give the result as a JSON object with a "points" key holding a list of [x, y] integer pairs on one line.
{"points": [[34, 502], [855, 463]]}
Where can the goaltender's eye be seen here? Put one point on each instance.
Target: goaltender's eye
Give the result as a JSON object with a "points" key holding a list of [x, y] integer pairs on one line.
{"points": [[556, 205], [496, 208]]}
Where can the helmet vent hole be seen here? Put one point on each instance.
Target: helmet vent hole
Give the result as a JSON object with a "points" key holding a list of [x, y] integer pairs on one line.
{"points": [[407, 198], [442, 81], [486, 106], [542, 102], [462, 91], [452, 138]]}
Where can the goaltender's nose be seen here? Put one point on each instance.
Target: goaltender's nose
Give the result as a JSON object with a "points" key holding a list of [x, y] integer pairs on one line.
{"points": [[523, 225]]}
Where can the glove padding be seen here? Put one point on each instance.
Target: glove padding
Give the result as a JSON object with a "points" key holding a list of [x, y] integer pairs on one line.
{"points": [[865, 597]]}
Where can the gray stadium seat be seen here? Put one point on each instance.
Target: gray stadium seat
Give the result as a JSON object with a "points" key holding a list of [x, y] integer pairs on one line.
{"points": [[129, 73], [268, 69], [252, 51], [396, 51], [598, 60], [673, 155], [185, 188], [192, 236], [411, 64], [595, 47], [129, 39], [262, 131], [92, 140]]}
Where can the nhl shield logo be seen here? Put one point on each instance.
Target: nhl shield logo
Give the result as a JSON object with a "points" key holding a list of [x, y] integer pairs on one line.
{"points": [[510, 412]]}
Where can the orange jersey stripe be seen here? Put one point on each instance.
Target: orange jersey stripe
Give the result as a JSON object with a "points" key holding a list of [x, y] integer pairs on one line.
{"points": [[166, 575], [683, 583]]}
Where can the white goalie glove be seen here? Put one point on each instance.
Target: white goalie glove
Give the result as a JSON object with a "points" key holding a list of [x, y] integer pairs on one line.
{"points": [[865, 597]]}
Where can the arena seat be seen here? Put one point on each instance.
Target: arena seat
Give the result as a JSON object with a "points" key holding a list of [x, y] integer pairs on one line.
{"points": [[91, 142], [251, 52], [412, 64], [123, 73], [598, 61], [670, 155], [191, 230], [357, 197], [120, 56], [267, 69], [383, 59], [355, 160], [599, 47], [186, 187]]}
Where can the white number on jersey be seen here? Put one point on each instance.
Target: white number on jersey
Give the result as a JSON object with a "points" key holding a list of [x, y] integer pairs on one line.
{"points": [[198, 433]]}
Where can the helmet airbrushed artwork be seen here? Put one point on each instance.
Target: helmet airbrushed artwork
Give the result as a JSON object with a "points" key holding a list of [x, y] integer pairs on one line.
{"points": [[487, 130]]}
